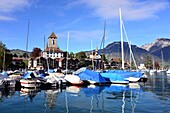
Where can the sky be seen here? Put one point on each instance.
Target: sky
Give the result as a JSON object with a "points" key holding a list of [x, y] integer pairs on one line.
{"points": [[83, 20]]}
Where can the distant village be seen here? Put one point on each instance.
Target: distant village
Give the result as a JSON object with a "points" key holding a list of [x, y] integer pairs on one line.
{"points": [[53, 57]]}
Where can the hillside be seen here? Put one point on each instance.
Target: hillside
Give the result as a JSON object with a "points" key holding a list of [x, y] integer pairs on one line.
{"points": [[18, 52], [113, 50]]}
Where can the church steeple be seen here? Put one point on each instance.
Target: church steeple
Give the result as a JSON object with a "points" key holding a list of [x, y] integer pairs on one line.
{"points": [[52, 40]]}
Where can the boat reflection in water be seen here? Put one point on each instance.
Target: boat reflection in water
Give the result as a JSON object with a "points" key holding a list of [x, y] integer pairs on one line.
{"points": [[30, 92], [6, 93], [119, 96], [126, 94]]}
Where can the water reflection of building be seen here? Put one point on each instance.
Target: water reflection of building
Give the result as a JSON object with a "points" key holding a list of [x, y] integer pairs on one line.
{"points": [[50, 98]]}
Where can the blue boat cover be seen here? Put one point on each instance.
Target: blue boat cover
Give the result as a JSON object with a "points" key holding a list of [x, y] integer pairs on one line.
{"points": [[113, 76], [125, 74], [5, 75], [28, 74], [92, 76], [79, 70], [51, 71]]}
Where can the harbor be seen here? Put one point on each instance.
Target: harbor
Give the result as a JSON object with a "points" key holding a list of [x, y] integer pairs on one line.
{"points": [[84, 56], [151, 96]]}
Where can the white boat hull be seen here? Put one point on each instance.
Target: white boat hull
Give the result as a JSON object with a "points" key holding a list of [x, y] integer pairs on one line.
{"points": [[28, 83], [119, 82], [132, 79]]}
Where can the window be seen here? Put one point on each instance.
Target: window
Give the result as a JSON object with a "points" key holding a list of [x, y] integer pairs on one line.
{"points": [[53, 41]]}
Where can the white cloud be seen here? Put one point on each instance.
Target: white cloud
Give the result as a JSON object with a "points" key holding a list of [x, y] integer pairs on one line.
{"points": [[2, 17], [7, 7], [131, 9]]}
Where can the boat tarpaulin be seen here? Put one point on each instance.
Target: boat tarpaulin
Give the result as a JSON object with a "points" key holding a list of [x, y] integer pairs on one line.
{"points": [[92, 76]]}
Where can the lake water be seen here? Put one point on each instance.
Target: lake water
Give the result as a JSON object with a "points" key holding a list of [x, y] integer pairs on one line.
{"points": [[151, 97]]}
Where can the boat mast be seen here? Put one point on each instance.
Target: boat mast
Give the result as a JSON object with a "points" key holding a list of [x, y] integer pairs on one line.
{"points": [[27, 44], [121, 37], [153, 63], [44, 42], [104, 35], [162, 60], [130, 46], [92, 54], [130, 57], [67, 53], [103, 42], [4, 61]]}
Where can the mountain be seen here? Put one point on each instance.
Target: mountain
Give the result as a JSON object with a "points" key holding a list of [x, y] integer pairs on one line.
{"points": [[113, 50], [155, 48], [18, 52]]}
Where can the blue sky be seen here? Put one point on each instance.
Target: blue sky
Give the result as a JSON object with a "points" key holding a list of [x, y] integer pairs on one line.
{"points": [[144, 20]]}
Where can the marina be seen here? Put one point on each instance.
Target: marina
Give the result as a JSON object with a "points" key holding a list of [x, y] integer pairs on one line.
{"points": [[47, 63], [152, 96]]}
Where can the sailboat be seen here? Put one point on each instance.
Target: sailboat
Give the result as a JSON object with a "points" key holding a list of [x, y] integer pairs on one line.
{"points": [[71, 78], [28, 80], [122, 76]]}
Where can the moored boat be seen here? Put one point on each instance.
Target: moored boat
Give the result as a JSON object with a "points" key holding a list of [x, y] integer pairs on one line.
{"points": [[93, 77], [73, 79], [28, 83], [29, 80]]}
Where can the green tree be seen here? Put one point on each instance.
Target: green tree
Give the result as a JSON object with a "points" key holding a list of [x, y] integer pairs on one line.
{"points": [[71, 55], [15, 55], [5, 60], [133, 65], [148, 62], [82, 63], [103, 57], [81, 55], [25, 55], [36, 52]]}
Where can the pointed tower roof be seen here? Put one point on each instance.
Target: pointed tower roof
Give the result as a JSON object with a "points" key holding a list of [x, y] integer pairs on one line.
{"points": [[52, 35]]}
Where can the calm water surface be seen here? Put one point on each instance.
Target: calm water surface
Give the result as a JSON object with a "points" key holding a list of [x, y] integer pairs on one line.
{"points": [[151, 97]]}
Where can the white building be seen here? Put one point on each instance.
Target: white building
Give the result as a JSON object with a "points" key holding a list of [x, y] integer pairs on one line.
{"points": [[52, 50]]}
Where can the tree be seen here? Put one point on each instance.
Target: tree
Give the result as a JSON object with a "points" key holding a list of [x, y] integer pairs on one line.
{"points": [[133, 65], [103, 57], [82, 63], [15, 55], [81, 55], [25, 55], [71, 55], [148, 62], [157, 66], [36, 53], [8, 56]]}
